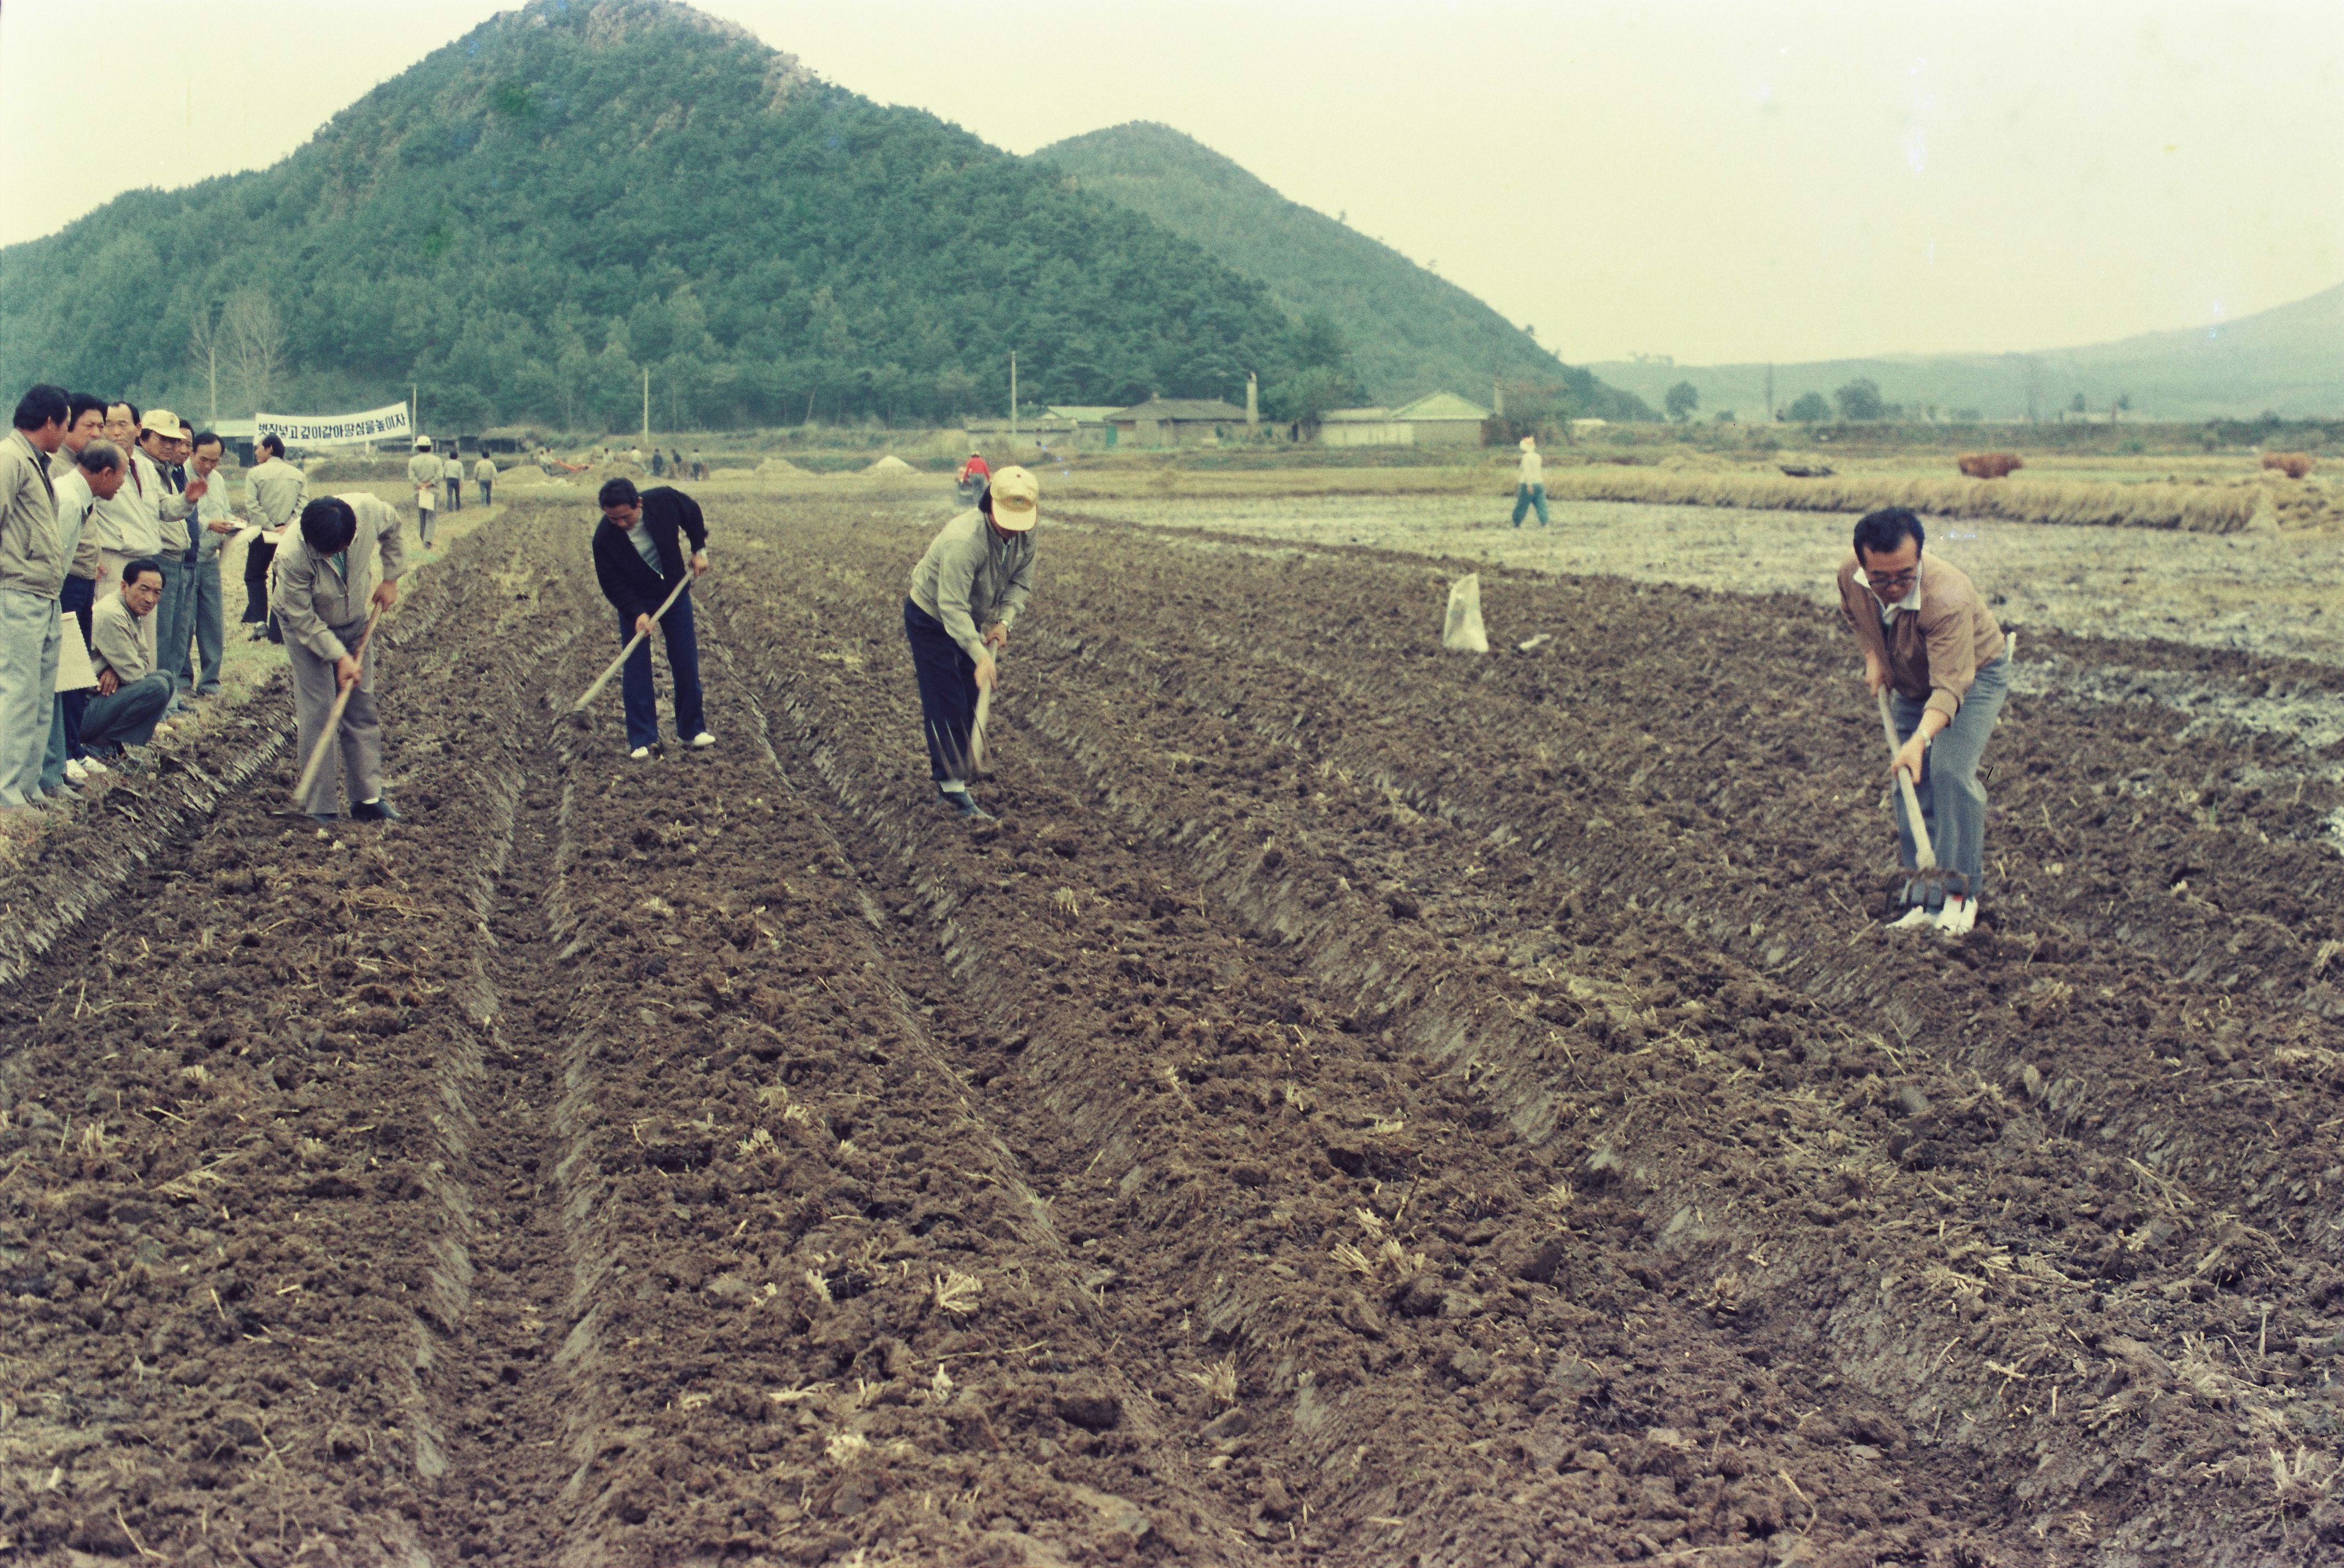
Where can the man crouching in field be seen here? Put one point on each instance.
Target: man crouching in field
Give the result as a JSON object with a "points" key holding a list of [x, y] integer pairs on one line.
{"points": [[976, 573], [1927, 635], [346, 556]]}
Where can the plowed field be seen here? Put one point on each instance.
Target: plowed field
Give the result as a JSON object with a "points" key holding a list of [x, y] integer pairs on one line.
{"points": [[1359, 1105]]}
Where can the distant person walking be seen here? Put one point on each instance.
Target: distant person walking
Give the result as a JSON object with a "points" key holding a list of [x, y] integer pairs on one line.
{"points": [[1529, 483], [275, 492], [345, 557], [423, 474], [451, 475], [639, 561], [966, 591], [484, 474], [1929, 638]]}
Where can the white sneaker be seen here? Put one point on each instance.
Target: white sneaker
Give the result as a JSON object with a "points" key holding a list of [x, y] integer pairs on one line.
{"points": [[93, 766], [75, 772], [1959, 916], [640, 753], [1915, 919], [702, 741]]}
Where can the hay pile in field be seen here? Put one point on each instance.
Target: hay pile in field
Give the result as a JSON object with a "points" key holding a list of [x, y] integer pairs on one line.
{"points": [[773, 468], [521, 476], [889, 466], [2199, 508], [2295, 465]]}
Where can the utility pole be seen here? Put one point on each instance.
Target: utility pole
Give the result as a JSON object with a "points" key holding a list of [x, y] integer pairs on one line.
{"points": [[647, 405], [414, 413], [1013, 397]]}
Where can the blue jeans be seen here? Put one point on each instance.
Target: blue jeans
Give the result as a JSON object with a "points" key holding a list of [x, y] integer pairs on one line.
{"points": [[947, 678], [1952, 800], [175, 616], [683, 663], [1527, 496]]}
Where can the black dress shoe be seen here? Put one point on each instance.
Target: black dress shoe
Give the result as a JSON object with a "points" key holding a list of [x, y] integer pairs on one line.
{"points": [[375, 811], [324, 818]]}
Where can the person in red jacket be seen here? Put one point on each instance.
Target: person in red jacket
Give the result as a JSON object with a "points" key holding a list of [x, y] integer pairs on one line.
{"points": [[639, 561], [975, 469]]}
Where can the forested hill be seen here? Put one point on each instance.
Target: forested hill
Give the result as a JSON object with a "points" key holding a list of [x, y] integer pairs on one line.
{"points": [[582, 188], [1409, 330]]}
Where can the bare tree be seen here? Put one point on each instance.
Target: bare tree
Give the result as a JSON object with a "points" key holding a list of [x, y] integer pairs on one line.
{"points": [[206, 346], [254, 337]]}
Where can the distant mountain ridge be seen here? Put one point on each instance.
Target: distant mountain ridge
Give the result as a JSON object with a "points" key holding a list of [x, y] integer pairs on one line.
{"points": [[579, 191], [1410, 331], [2288, 360]]}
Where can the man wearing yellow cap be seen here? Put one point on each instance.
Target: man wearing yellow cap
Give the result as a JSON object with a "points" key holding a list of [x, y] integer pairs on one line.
{"points": [[965, 592]]}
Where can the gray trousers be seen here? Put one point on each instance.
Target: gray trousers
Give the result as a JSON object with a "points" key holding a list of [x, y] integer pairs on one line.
{"points": [[353, 770], [28, 691], [129, 716], [206, 614], [174, 618], [1952, 800]]}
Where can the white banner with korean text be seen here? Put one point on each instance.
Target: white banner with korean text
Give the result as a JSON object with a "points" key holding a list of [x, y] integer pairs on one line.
{"points": [[387, 423]]}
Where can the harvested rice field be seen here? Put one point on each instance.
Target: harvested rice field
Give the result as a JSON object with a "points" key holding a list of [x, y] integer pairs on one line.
{"points": [[1359, 1104]]}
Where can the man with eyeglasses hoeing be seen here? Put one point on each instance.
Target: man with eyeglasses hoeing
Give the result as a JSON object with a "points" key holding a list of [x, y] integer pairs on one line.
{"points": [[1929, 638]]}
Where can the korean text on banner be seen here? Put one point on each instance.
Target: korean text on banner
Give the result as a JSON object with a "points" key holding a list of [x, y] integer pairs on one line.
{"points": [[387, 423]]}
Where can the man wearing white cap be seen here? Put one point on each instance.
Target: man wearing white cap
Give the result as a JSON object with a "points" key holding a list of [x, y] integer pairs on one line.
{"points": [[1529, 483], [966, 591], [423, 474]]}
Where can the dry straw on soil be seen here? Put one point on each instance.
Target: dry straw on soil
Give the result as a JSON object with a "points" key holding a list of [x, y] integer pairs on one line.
{"points": [[2199, 508]]}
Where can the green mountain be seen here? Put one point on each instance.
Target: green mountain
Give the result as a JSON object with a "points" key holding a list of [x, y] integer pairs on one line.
{"points": [[582, 189], [2288, 360], [1408, 330]]}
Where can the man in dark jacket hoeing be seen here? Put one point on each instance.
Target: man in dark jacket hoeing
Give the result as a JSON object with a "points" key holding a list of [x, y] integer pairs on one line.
{"points": [[639, 561]]}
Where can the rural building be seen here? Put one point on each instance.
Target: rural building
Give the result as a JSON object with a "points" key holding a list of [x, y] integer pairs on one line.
{"points": [[1361, 428], [1176, 422], [1443, 420], [1436, 420]]}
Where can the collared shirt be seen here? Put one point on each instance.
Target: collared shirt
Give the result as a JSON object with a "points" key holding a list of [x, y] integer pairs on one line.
{"points": [[32, 558], [132, 523], [314, 599], [645, 545], [121, 640], [275, 491], [972, 577], [171, 527], [1933, 641], [1532, 471], [485, 470], [216, 507]]}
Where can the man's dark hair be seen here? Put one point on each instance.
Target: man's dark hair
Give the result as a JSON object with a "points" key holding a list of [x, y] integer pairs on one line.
{"points": [[273, 443], [133, 571], [99, 455], [42, 404], [80, 403], [1881, 531], [136, 413], [329, 524], [209, 439], [618, 492]]}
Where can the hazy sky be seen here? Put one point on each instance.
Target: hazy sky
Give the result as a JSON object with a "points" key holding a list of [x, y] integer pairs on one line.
{"points": [[1735, 180]]}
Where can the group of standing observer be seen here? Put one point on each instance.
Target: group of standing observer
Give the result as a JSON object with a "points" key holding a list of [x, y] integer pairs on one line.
{"points": [[112, 612], [113, 532]]}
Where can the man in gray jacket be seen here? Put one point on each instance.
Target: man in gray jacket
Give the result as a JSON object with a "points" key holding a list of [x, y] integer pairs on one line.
{"points": [[131, 692], [966, 591], [33, 561], [275, 492], [346, 556]]}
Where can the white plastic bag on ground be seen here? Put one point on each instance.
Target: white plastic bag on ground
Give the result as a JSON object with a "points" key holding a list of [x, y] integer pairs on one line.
{"points": [[1462, 630]]}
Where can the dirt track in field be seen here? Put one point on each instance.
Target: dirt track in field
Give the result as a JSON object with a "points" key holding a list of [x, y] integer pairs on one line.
{"points": [[1359, 1105]]}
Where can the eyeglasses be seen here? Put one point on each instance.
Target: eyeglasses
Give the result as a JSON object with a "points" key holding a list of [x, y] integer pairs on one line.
{"points": [[1885, 581]]}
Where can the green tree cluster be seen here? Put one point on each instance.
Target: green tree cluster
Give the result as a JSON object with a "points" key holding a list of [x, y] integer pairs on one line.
{"points": [[572, 193]]}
